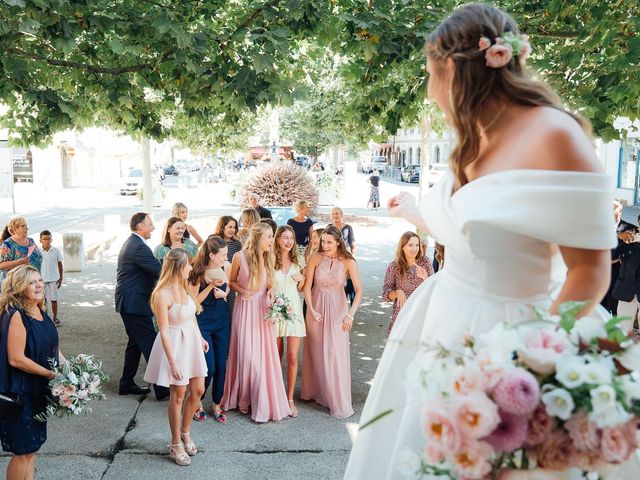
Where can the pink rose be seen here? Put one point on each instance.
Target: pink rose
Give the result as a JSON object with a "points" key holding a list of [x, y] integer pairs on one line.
{"points": [[499, 55], [492, 373], [471, 461], [484, 43], [510, 434], [525, 51], [557, 453], [589, 460], [433, 454], [616, 447], [470, 379], [518, 392], [289, 310], [439, 429], [583, 432], [65, 401], [475, 414], [82, 394], [57, 390], [279, 301], [541, 348], [69, 390], [539, 427]]}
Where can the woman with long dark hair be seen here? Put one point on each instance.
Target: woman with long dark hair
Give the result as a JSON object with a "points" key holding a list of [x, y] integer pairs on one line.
{"points": [[227, 229]]}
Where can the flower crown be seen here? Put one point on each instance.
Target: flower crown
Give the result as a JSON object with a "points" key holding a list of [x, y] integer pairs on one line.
{"points": [[505, 47]]}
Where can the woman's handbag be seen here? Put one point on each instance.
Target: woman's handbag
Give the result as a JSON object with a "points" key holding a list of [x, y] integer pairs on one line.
{"points": [[11, 405]]}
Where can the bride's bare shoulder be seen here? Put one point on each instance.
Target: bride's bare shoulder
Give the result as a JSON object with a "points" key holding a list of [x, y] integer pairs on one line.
{"points": [[558, 142]]}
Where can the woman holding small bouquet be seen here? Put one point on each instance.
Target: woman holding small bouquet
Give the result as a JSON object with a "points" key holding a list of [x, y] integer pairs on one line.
{"points": [[525, 216], [289, 282], [177, 358], [28, 340]]}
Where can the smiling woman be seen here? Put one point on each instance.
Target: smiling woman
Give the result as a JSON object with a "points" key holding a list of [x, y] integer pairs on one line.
{"points": [[18, 249], [172, 237]]}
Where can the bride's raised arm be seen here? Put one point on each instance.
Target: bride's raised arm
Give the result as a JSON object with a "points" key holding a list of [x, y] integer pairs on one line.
{"points": [[404, 206]]}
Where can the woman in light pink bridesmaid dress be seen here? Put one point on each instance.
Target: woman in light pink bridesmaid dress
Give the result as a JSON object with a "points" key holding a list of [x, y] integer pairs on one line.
{"points": [[326, 362], [254, 377]]}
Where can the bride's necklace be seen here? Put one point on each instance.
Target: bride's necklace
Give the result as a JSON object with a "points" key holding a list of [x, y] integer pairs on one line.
{"points": [[493, 120]]}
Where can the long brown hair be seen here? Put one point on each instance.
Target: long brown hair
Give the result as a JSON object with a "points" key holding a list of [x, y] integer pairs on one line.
{"points": [[401, 260], [166, 238], [293, 253], [474, 83], [337, 236], [256, 258], [222, 223], [212, 245], [172, 266]]}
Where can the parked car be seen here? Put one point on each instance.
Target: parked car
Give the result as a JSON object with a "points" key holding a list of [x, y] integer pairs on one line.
{"points": [[303, 161], [186, 166], [171, 170], [436, 172], [131, 183], [410, 174], [376, 163]]}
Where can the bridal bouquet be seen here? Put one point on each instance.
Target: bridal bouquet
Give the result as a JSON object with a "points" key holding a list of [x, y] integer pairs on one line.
{"points": [[281, 310], [76, 385], [555, 397]]}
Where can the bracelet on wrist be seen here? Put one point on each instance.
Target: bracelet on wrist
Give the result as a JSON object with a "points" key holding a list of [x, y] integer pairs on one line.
{"points": [[349, 316]]}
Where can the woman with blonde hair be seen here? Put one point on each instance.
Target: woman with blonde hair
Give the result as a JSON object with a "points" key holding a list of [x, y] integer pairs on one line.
{"points": [[177, 358], [524, 216], [410, 268], [18, 248], [248, 217], [28, 340], [289, 282], [314, 244], [173, 237], [254, 378], [181, 211], [302, 225]]}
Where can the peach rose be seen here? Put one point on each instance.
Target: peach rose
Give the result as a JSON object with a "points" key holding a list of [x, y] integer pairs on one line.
{"points": [[583, 432], [440, 429], [470, 379], [471, 461], [557, 453], [589, 461], [475, 414], [616, 447]]}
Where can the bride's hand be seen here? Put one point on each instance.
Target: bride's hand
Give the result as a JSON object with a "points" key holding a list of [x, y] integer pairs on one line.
{"points": [[402, 205]]}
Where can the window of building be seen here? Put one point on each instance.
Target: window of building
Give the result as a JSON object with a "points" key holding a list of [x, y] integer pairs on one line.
{"points": [[410, 156], [628, 163], [418, 155], [436, 155]]}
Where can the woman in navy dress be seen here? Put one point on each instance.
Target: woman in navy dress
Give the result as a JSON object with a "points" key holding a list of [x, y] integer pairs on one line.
{"points": [[209, 285], [28, 339]]}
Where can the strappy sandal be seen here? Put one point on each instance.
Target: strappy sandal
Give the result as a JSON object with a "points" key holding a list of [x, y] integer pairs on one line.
{"points": [[244, 410], [189, 446], [294, 409], [200, 416], [180, 457], [219, 415]]}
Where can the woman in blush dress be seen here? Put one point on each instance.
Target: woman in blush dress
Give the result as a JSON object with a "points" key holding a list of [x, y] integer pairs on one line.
{"points": [[326, 362], [289, 282], [254, 377], [410, 268], [177, 357]]}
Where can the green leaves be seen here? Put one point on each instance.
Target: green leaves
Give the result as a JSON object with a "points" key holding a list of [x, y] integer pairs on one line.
{"points": [[568, 312]]}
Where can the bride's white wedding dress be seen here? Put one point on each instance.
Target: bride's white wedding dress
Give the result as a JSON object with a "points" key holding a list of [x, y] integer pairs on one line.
{"points": [[500, 234]]}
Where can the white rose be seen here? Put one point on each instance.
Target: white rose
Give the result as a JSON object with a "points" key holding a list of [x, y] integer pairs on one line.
{"points": [[559, 403], [587, 328], [82, 394], [573, 373], [609, 415], [498, 344], [85, 377], [73, 378], [408, 462], [630, 357]]}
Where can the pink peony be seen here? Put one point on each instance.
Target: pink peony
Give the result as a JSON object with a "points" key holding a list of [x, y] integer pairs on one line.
{"points": [[557, 453], [589, 460], [57, 390], [475, 414], [510, 434], [470, 379], [542, 348], [484, 43], [440, 429], [471, 461], [499, 55], [69, 390], [518, 392], [539, 427], [583, 432], [279, 301], [65, 401], [616, 445]]}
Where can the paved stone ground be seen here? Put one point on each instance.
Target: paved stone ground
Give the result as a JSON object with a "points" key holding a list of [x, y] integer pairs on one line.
{"points": [[126, 437]]}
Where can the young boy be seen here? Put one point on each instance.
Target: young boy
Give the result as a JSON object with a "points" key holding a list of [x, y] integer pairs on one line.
{"points": [[51, 272]]}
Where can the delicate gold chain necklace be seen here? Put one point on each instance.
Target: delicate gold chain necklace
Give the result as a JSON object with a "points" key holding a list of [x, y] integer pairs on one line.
{"points": [[494, 120]]}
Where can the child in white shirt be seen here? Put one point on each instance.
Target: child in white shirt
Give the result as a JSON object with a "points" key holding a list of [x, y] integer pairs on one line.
{"points": [[51, 272]]}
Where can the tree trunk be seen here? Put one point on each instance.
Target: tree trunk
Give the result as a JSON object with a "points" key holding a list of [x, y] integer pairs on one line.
{"points": [[147, 183]]}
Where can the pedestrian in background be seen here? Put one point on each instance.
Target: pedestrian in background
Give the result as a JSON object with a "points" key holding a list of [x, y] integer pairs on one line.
{"points": [[326, 362], [18, 248], [248, 218], [408, 270], [337, 216], [254, 202], [209, 285], [28, 340], [227, 229], [374, 194], [302, 226], [137, 273], [52, 271], [173, 237], [177, 357], [181, 211], [627, 286], [254, 377]]}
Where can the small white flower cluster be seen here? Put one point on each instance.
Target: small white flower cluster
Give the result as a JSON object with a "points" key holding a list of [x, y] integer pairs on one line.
{"points": [[281, 310]]}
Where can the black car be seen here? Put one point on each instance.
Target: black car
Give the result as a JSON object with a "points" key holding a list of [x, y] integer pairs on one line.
{"points": [[410, 174], [171, 170]]}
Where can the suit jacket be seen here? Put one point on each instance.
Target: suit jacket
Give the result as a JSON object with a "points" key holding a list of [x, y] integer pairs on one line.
{"points": [[628, 282], [138, 272], [263, 212]]}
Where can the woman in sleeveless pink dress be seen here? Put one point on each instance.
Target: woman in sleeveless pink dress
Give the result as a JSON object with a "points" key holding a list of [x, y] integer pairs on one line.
{"points": [[254, 378], [177, 357], [326, 362]]}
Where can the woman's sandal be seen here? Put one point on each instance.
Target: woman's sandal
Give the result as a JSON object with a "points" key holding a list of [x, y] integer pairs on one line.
{"points": [[200, 416], [293, 408], [244, 410], [180, 457], [219, 416], [189, 446]]}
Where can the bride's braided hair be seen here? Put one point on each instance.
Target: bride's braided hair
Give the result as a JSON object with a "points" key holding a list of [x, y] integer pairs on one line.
{"points": [[474, 82]]}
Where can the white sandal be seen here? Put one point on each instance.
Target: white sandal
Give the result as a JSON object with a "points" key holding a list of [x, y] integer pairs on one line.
{"points": [[180, 457]]}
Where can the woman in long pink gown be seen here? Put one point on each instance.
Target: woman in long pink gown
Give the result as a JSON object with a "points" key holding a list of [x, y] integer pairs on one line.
{"points": [[254, 378], [326, 364]]}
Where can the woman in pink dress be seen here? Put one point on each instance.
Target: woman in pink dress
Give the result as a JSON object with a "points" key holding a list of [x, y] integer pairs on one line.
{"points": [[326, 363], [177, 357], [254, 378]]}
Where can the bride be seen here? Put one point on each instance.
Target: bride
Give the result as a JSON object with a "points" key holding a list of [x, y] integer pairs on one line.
{"points": [[525, 216]]}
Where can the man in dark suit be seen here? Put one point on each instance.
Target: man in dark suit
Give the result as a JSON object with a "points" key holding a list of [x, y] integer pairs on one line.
{"points": [[138, 272], [254, 201]]}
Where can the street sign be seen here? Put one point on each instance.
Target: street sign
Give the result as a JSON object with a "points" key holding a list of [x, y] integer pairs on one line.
{"points": [[71, 152]]}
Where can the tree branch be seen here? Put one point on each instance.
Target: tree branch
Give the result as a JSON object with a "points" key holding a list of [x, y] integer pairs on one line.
{"points": [[248, 21]]}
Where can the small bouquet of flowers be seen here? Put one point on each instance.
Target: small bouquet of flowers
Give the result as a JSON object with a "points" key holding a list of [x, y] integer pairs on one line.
{"points": [[76, 385], [563, 396], [281, 310]]}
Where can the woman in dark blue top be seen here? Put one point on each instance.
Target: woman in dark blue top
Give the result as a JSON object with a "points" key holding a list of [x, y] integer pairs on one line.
{"points": [[302, 226], [209, 284], [28, 340]]}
